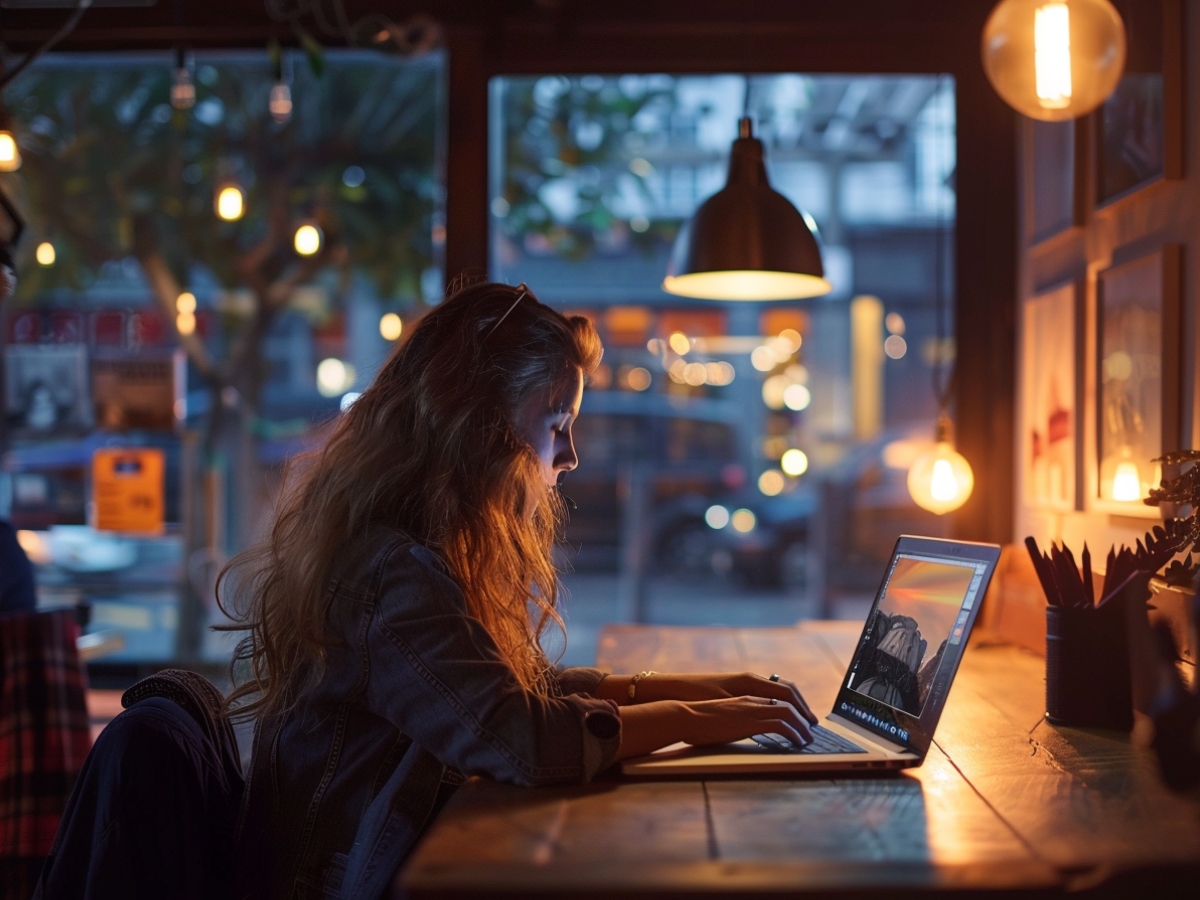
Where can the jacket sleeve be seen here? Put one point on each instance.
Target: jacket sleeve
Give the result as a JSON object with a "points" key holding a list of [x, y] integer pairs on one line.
{"points": [[438, 676]]}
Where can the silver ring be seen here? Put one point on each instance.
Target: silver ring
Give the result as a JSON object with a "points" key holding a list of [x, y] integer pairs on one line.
{"points": [[773, 678], [774, 702]]}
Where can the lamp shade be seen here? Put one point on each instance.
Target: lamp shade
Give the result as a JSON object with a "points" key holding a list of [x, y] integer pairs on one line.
{"points": [[747, 241]]}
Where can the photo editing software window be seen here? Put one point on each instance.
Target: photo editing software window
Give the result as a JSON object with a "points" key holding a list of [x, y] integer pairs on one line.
{"points": [[918, 623]]}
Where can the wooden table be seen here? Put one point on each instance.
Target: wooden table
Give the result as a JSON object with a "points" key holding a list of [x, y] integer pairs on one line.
{"points": [[1004, 801]]}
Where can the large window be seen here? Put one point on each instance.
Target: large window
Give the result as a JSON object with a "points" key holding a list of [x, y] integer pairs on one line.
{"points": [[730, 432], [204, 281]]}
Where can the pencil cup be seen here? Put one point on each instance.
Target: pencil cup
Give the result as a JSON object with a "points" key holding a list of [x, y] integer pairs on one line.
{"points": [[1087, 667]]}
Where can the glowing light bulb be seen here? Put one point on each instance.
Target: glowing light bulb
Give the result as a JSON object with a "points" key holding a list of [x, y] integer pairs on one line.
{"points": [[390, 327], [1054, 59], [280, 103], [230, 203], [45, 254], [1052, 55], [183, 91], [771, 482], [794, 462], [10, 153], [743, 521], [185, 303], [940, 480], [716, 516], [308, 239], [1127, 485]]}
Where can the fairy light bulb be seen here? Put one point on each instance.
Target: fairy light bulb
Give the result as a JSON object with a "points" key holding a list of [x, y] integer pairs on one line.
{"points": [[280, 103], [183, 90], [1127, 484], [1054, 59], [45, 254], [230, 202], [941, 480], [10, 153], [307, 240]]}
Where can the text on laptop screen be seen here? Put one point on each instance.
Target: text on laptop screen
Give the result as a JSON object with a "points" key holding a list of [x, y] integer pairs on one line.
{"points": [[917, 623]]}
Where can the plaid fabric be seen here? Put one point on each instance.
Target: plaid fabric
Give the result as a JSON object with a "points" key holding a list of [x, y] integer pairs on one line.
{"points": [[44, 733]]}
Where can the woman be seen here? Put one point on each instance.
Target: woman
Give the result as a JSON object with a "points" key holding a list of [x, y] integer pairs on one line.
{"points": [[395, 610]]}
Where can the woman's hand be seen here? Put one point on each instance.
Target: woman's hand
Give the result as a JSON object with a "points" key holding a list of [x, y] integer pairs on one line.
{"points": [[710, 686], [645, 727]]}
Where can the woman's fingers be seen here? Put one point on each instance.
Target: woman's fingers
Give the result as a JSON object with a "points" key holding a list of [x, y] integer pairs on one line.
{"points": [[782, 689], [781, 713]]}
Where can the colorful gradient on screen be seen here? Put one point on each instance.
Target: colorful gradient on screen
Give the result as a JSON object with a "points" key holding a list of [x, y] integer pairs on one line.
{"points": [[930, 592]]}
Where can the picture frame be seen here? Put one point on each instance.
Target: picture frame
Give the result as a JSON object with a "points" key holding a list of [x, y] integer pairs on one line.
{"points": [[1136, 366], [46, 389], [1050, 397], [1139, 129], [1054, 192]]}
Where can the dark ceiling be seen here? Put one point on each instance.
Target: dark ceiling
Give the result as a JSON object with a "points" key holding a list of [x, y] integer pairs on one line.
{"points": [[252, 22]]}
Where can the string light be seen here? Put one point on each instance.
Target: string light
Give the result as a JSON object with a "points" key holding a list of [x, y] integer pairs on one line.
{"points": [[183, 91], [391, 327], [10, 153], [230, 202], [45, 254], [280, 103], [308, 239], [185, 313]]}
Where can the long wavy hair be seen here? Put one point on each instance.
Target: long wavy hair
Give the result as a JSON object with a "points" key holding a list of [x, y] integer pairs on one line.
{"points": [[429, 449]]}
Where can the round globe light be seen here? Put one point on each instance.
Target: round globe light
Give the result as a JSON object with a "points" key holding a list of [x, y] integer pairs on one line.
{"points": [[1054, 59], [941, 479]]}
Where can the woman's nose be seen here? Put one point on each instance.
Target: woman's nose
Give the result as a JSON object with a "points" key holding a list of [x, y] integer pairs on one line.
{"points": [[567, 459]]}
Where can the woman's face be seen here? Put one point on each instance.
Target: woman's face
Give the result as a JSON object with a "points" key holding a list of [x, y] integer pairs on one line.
{"points": [[544, 422]]}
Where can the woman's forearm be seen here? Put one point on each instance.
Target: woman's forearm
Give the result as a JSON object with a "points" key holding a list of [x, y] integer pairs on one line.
{"points": [[648, 726], [645, 727]]}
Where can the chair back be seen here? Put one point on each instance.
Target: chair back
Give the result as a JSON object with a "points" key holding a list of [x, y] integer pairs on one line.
{"points": [[44, 735]]}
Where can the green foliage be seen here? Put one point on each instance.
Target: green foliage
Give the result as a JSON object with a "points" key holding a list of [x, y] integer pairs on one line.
{"points": [[584, 131], [1182, 491], [110, 169]]}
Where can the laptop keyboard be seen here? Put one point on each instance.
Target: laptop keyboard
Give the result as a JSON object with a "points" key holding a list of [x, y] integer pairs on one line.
{"points": [[824, 741]]}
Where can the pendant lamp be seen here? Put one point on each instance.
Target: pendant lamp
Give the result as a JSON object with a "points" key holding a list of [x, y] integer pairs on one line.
{"points": [[747, 241], [941, 480], [1054, 59]]}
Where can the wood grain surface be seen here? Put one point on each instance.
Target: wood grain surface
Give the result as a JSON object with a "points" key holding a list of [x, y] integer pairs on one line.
{"points": [[1004, 801]]}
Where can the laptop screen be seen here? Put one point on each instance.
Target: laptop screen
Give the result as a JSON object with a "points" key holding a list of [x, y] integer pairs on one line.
{"points": [[914, 637]]}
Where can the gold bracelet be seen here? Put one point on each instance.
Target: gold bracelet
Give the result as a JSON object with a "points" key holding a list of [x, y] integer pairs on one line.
{"points": [[633, 684]]}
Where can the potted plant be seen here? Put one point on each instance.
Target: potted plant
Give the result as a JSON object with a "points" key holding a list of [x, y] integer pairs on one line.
{"points": [[1176, 709]]}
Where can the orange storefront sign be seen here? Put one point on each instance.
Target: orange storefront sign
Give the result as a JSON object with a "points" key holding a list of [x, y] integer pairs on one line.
{"points": [[128, 490]]}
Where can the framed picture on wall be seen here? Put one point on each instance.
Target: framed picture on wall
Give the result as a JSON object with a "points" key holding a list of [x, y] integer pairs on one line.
{"points": [[1049, 432], [1137, 370], [1139, 129], [46, 389], [1053, 195]]}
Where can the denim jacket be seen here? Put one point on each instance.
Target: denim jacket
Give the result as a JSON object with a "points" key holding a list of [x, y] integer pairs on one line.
{"points": [[414, 697]]}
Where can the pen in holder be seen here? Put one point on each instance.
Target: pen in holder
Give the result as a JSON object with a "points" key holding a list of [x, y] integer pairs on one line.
{"points": [[1088, 674]]}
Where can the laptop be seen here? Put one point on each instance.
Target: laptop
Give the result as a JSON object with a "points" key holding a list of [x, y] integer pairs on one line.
{"points": [[893, 693]]}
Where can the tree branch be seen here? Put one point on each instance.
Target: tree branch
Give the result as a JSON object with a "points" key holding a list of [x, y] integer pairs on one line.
{"points": [[166, 289]]}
